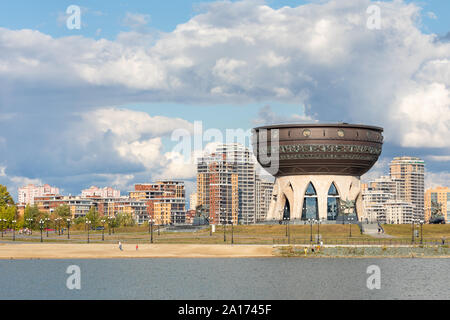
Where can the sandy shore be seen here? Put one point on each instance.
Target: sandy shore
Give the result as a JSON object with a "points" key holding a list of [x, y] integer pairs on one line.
{"points": [[110, 251]]}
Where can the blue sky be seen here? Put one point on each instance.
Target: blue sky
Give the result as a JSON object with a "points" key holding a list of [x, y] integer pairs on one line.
{"points": [[98, 105]]}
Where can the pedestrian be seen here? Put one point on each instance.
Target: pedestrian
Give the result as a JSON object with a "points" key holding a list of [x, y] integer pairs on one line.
{"points": [[120, 246], [305, 250], [137, 247], [443, 240]]}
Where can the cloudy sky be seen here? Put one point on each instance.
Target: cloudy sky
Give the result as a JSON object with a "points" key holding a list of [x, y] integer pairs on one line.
{"points": [[98, 105]]}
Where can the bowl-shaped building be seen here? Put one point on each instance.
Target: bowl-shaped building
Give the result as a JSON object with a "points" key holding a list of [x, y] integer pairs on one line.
{"points": [[316, 166]]}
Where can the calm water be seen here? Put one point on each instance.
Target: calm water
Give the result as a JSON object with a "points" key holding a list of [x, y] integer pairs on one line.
{"points": [[236, 279]]}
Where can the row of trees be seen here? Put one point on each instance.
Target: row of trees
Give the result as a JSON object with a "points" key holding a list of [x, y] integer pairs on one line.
{"points": [[32, 215]]}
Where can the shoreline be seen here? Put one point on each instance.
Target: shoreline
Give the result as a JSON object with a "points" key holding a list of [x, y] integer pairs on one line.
{"points": [[51, 251]]}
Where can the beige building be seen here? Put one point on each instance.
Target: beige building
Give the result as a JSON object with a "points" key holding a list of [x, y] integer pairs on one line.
{"points": [[439, 195], [410, 171], [398, 212]]}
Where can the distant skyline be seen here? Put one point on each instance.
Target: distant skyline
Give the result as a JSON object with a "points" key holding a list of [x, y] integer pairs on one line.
{"points": [[98, 105]]}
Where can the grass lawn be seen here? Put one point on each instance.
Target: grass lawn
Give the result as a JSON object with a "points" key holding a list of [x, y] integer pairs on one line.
{"points": [[430, 231]]}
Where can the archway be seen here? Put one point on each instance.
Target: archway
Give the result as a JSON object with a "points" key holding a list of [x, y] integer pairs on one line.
{"points": [[310, 207], [332, 203]]}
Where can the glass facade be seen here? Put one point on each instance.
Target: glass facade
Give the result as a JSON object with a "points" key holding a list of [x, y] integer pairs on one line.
{"points": [[448, 207], [287, 211], [310, 207], [332, 203]]}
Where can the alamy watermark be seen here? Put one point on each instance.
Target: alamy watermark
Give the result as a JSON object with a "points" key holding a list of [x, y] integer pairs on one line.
{"points": [[191, 144], [74, 19], [73, 282], [374, 280], [374, 19]]}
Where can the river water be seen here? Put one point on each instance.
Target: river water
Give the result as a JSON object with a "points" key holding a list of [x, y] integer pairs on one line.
{"points": [[230, 279]]}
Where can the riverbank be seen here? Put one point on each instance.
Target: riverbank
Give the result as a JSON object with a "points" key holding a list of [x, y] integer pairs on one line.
{"points": [[112, 251]]}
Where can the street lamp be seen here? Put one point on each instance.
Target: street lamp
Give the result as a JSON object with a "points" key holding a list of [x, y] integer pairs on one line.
{"points": [[41, 227], [350, 219], [311, 223], [14, 230], [318, 229], [103, 230], [46, 223], [224, 229], [68, 228], [412, 236], [30, 224], [88, 225], [3, 225], [232, 231], [421, 231], [151, 229]]}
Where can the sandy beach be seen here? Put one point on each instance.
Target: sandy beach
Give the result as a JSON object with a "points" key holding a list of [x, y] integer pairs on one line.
{"points": [[111, 251]]}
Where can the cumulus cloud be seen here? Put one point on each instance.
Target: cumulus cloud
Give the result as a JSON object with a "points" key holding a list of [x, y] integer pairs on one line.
{"points": [[318, 55], [266, 117]]}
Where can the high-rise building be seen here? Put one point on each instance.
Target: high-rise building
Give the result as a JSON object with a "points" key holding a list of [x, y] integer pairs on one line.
{"points": [[440, 195], [165, 200], [193, 201], [27, 193], [410, 171], [263, 197], [226, 184], [244, 166], [217, 189]]}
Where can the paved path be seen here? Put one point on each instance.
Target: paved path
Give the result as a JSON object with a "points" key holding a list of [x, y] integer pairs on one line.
{"points": [[371, 229]]}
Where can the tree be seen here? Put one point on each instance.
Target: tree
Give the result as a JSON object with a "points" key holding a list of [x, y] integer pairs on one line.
{"points": [[62, 211], [9, 214], [31, 212], [5, 197], [93, 216]]}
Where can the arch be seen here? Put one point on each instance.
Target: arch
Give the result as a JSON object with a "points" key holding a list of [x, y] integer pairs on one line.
{"points": [[287, 210], [332, 202], [310, 205]]}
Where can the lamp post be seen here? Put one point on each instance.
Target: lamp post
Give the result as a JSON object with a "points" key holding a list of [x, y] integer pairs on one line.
{"points": [[30, 224], [3, 225], [41, 227], [350, 219], [311, 223], [224, 235], [412, 236], [47, 220], [14, 229], [232, 232], [68, 228], [88, 225], [421, 231], [103, 230], [318, 229], [151, 229]]}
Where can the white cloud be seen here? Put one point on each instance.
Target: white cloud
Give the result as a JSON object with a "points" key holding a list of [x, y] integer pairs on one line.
{"points": [[318, 55], [437, 179]]}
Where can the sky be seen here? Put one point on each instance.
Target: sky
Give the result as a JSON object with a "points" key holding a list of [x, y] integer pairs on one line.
{"points": [[100, 105]]}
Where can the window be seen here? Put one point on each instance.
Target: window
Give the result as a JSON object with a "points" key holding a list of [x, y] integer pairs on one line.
{"points": [[332, 203], [310, 208]]}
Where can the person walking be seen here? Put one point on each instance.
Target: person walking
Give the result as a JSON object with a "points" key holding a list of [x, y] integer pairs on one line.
{"points": [[137, 247], [120, 246]]}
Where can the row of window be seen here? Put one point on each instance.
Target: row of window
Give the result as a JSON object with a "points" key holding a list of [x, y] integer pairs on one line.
{"points": [[310, 208]]}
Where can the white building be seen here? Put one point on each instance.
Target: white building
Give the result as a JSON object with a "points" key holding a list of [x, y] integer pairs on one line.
{"points": [[106, 192], [27, 193], [193, 201], [399, 212], [263, 198]]}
